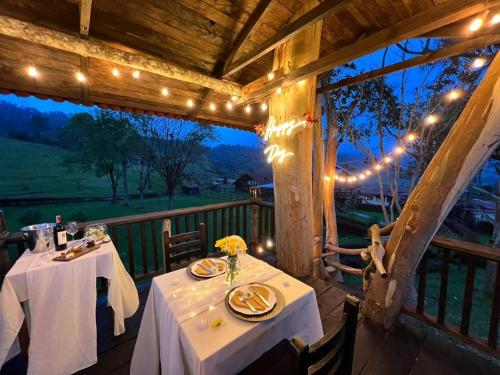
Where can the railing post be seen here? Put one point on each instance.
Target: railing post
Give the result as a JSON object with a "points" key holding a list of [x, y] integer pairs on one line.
{"points": [[254, 223]]}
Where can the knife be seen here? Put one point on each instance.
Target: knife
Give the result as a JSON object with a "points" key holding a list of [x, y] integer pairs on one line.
{"points": [[204, 268], [256, 292]]}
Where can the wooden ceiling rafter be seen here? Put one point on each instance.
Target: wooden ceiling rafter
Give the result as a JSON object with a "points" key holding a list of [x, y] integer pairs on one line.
{"points": [[97, 49], [85, 10], [456, 49], [286, 33], [419, 24]]}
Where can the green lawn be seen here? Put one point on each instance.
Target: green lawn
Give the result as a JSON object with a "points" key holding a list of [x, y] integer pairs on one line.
{"points": [[31, 170]]}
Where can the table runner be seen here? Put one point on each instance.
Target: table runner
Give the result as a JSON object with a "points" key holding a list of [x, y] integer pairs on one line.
{"points": [[169, 333], [62, 300]]}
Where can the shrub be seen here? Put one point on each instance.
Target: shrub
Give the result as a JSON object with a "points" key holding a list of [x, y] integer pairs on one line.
{"points": [[30, 217]]}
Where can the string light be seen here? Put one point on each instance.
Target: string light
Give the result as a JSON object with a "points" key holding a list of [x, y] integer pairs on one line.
{"points": [[378, 167], [212, 107], [116, 72], [248, 108], [453, 95], [190, 103], [495, 19], [270, 76], [327, 178], [229, 106], [431, 120], [368, 173], [478, 63], [279, 90], [361, 176], [136, 74], [80, 77], [32, 71], [476, 24], [411, 137], [399, 150], [164, 91], [260, 249], [387, 159], [234, 98], [269, 243], [263, 107]]}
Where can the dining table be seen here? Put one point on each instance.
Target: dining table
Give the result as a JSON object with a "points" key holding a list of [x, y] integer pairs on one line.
{"points": [[59, 299], [187, 328]]}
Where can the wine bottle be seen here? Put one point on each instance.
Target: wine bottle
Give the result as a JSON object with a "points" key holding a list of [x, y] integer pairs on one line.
{"points": [[60, 239]]}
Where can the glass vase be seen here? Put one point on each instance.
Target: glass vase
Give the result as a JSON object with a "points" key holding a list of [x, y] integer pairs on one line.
{"points": [[233, 269]]}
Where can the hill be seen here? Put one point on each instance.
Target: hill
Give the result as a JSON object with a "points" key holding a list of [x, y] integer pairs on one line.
{"points": [[232, 161]]}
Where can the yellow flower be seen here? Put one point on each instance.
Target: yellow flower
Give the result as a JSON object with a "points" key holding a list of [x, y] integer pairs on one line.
{"points": [[232, 245]]}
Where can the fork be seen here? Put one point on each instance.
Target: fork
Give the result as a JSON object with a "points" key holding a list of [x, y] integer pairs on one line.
{"points": [[245, 300]]}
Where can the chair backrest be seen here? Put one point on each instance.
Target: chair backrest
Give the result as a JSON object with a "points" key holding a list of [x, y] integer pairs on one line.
{"points": [[184, 246], [334, 353]]}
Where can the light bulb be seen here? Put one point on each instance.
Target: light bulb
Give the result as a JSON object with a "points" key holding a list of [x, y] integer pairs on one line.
{"points": [[248, 108], [361, 176], [411, 137], [279, 90], [136, 74], [368, 172], [453, 95], [164, 91], [269, 243], [399, 150], [476, 24], [378, 167], [327, 178], [234, 98], [116, 72], [431, 119], [270, 76], [229, 106], [32, 71], [80, 77], [212, 107], [387, 159], [478, 63], [495, 19], [190, 103], [263, 107], [260, 249]]}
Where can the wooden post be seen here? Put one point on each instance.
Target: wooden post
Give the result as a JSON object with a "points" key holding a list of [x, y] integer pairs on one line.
{"points": [[254, 224], [293, 177], [474, 137], [318, 181]]}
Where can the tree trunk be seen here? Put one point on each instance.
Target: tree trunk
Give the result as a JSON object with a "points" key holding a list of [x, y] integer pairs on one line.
{"points": [[114, 186], [125, 183], [491, 267], [318, 181], [292, 178], [170, 201], [473, 138]]}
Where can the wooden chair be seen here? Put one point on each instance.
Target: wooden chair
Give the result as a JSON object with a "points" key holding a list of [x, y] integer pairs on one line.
{"points": [[184, 246], [333, 354]]}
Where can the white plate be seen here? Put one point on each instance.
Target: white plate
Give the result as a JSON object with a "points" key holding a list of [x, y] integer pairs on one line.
{"points": [[214, 272], [271, 298]]}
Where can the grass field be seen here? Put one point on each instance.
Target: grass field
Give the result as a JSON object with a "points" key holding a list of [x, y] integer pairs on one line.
{"points": [[31, 170]]}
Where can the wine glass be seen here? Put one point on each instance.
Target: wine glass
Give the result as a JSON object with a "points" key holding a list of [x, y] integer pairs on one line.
{"points": [[72, 229]]}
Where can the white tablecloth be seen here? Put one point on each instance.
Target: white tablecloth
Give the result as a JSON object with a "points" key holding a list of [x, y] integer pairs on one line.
{"points": [[62, 306], [170, 335]]}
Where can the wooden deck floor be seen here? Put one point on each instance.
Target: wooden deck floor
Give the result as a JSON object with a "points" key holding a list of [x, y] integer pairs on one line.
{"points": [[377, 352]]}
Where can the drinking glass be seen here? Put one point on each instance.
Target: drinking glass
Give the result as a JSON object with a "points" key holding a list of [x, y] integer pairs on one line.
{"points": [[72, 229]]}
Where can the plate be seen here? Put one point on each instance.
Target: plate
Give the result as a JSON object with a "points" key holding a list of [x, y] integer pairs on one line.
{"points": [[197, 271], [246, 290], [278, 308]]}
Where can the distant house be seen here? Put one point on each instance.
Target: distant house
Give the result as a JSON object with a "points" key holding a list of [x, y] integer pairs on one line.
{"points": [[369, 194], [244, 182], [190, 188]]}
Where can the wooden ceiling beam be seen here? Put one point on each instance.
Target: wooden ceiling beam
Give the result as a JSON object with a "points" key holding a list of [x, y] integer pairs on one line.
{"points": [[85, 9], [100, 50], [455, 50], [314, 15], [419, 24]]}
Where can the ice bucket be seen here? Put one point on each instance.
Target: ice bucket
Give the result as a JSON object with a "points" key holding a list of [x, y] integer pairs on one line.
{"points": [[39, 237]]}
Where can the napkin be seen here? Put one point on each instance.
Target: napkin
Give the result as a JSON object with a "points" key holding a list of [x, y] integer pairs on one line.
{"points": [[255, 301], [200, 271]]}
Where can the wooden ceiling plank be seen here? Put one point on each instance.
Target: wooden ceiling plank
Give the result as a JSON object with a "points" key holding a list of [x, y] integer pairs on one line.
{"points": [[252, 24], [419, 24], [455, 50], [287, 32], [97, 49], [85, 10]]}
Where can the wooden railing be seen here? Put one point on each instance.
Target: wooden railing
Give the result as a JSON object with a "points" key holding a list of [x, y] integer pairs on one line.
{"points": [[454, 253]]}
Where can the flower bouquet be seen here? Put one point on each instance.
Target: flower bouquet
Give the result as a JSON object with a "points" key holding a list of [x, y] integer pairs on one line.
{"points": [[232, 246]]}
